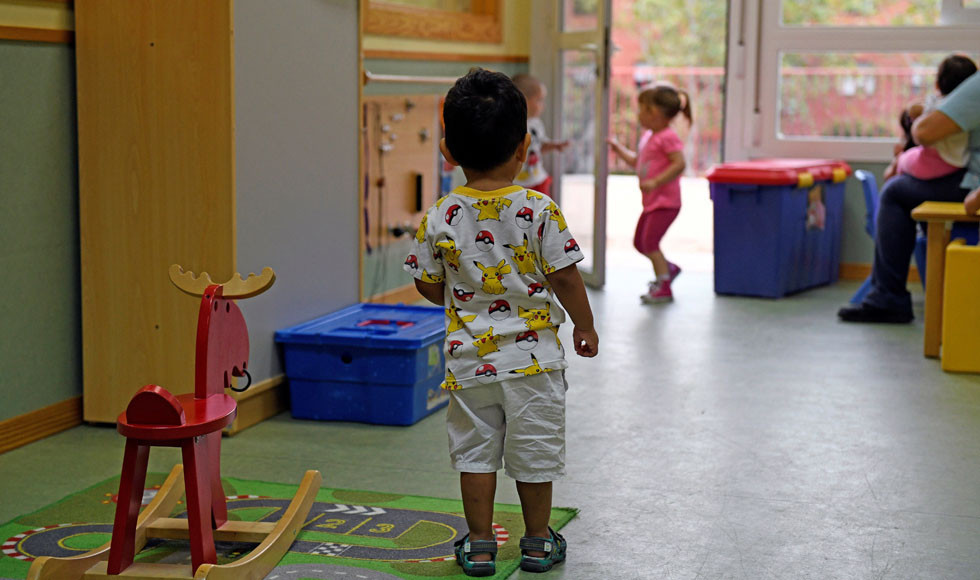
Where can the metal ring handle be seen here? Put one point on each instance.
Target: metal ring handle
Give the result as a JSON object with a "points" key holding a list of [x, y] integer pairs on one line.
{"points": [[247, 385]]}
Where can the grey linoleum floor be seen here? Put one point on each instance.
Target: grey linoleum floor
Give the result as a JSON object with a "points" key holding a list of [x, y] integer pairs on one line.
{"points": [[714, 437]]}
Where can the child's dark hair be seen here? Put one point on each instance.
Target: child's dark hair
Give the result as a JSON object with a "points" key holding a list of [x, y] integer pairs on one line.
{"points": [[952, 71], [670, 100], [486, 119]]}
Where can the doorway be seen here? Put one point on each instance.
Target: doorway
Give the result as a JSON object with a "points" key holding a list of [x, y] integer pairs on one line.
{"points": [[682, 43]]}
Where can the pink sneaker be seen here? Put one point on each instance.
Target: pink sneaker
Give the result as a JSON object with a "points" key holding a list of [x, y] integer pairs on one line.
{"points": [[673, 270], [658, 293]]}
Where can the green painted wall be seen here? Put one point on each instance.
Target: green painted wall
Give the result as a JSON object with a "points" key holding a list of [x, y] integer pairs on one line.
{"points": [[40, 311]]}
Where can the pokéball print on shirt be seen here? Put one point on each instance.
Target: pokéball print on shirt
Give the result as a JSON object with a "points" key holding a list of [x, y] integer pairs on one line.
{"points": [[486, 373], [484, 241], [453, 214], [524, 218], [455, 348], [535, 288], [463, 292], [412, 262], [499, 310], [526, 340], [571, 246]]}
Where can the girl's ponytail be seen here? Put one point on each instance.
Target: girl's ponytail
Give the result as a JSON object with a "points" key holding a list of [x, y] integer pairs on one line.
{"points": [[686, 106]]}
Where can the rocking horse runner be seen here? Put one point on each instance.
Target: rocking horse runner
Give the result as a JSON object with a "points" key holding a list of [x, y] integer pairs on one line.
{"points": [[192, 422]]}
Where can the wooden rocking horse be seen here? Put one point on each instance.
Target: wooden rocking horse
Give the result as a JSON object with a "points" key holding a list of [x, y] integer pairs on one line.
{"points": [[192, 422]]}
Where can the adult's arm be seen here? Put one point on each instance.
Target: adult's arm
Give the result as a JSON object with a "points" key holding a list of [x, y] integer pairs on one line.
{"points": [[959, 111], [932, 127]]}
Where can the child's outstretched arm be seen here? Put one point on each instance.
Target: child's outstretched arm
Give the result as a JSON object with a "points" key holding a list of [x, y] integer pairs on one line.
{"points": [[434, 293], [676, 167], [620, 150], [554, 146], [568, 286]]}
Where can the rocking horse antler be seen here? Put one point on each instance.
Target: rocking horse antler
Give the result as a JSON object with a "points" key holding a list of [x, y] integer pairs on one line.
{"points": [[234, 288]]}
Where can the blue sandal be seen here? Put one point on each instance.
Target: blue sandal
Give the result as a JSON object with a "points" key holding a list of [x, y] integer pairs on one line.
{"points": [[555, 548], [465, 548]]}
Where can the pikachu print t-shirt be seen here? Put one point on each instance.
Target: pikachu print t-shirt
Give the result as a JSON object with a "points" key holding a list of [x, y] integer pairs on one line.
{"points": [[492, 249]]}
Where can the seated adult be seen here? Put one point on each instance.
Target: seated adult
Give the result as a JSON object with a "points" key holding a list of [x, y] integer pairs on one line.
{"points": [[889, 300]]}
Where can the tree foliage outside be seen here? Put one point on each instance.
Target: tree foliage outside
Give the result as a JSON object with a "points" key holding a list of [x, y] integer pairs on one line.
{"points": [[862, 12], [692, 32], [677, 33]]}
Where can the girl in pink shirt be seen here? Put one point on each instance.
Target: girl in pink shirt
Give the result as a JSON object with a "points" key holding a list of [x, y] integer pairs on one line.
{"points": [[659, 163]]}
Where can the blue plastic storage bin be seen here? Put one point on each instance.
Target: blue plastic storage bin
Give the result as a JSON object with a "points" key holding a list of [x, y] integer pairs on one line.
{"points": [[371, 363], [777, 225]]}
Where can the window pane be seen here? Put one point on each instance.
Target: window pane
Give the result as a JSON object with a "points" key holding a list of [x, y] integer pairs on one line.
{"points": [[579, 15], [861, 12], [856, 95]]}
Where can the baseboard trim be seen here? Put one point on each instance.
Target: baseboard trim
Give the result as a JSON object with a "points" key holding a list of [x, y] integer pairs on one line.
{"points": [[854, 271], [404, 294], [261, 401], [29, 427], [30, 34]]}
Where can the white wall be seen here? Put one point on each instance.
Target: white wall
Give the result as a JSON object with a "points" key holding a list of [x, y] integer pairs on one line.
{"points": [[296, 80]]}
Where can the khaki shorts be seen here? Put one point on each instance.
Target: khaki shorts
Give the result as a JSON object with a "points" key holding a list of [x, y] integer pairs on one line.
{"points": [[517, 423]]}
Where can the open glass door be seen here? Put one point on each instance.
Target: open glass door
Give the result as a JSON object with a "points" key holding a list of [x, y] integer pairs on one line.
{"points": [[582, 103]]}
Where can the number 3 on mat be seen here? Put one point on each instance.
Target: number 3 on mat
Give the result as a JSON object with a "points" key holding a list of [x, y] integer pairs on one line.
{"points": [[382, 528]]}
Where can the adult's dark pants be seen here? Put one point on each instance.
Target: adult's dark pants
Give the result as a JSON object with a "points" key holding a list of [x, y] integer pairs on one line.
{"points": [[896, 231]]}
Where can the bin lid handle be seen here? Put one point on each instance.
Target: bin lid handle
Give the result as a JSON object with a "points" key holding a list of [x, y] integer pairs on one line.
{"points": [[386, 322]]}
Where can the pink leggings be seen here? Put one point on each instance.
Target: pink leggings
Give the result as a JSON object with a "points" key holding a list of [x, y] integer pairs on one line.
{"points": [[651, 227]]}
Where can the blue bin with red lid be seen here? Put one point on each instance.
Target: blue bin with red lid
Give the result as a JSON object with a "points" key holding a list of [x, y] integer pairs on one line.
{"points": [[371, 363], [777, 224]]}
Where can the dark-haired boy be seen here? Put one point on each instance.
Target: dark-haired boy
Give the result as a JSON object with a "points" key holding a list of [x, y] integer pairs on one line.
{"points": [[495, 255]]}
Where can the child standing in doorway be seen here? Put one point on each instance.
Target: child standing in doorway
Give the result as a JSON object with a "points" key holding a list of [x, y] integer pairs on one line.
{"points": [[496, 255], [659, 163], [533, 175]]}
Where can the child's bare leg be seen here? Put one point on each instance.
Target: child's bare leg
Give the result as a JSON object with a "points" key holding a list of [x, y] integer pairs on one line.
{"points": [[660, 267], [478, 490], [536, 506]]}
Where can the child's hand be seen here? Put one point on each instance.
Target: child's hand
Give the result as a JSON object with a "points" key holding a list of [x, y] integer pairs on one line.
{"points": [[972, 202], [586, 342], [562, 145], [915, 110], [649, 184], [612, 142], [891, 170]]}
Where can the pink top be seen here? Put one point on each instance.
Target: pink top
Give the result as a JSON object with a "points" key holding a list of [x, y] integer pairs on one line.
{"points": [[651, 160], [924, 163]]}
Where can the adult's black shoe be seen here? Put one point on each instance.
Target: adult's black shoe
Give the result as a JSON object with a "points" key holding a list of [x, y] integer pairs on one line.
{"points": [[867, 313]]}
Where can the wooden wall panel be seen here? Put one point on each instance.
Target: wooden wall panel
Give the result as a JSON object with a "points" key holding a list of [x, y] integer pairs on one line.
{"points": [[402, 133], [156, 181]]}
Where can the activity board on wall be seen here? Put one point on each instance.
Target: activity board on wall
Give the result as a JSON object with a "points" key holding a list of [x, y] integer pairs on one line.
{"points": [[401, 141]]}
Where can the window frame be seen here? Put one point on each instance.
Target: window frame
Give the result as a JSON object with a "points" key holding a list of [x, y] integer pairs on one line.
{"points": [[757, 39]]}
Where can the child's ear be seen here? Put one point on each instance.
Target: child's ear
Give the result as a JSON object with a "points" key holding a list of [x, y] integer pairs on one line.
{"points": [[446, 153], [522, 148]]}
